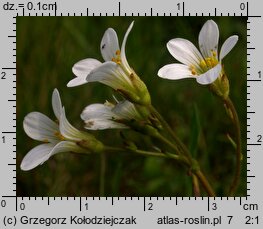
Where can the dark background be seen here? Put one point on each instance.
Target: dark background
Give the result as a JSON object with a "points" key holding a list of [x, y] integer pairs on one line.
{"points": [[47, 48]]}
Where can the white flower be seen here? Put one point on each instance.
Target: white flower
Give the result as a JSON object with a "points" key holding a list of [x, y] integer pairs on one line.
{"points": [[114, 72], [62, 137], [205, 66], [109, 116]]}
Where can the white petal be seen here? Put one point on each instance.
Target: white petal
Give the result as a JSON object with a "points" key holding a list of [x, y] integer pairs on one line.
{"points": [[109, 44], [68, 131], [66, 146], [77, 81], [81, 69], [36, 156], [56, 103], [184, 51], [210, 76], [126, 110], [227, 46], [97, 110], [39, 127], [175, 72], [123, 53], [100, 117], [103, 124], [111, 74], [208, 38]]}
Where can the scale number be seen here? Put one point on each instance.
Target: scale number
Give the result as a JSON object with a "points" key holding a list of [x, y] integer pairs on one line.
{"points": [[3, 75], [3, 203], [242, 6], [22, 206], [150, 206], [259, 140], [214, 206]]}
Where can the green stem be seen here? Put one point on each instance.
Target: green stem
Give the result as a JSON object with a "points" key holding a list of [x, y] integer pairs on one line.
{"points": [[236, 123], [102, 173], [180, 159], [205, 183], [183, 150], [167, 142], [195, 183], [141, 152]]}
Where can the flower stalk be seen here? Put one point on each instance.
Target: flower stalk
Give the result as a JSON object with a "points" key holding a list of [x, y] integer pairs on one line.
{"points": [[235, 120], [205, 183], [181, 149], [195, 184]]}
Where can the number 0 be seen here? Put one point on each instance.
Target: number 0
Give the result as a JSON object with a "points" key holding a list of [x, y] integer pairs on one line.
{"points": [[3, 203], [242, 6], [22, 206]]}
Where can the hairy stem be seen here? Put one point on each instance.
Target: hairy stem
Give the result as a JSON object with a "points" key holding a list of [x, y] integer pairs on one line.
{"points": [[235, 119]]}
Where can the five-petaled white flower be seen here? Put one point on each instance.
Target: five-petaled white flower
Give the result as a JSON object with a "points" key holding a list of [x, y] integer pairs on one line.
{"points": [[110, 116], [114, 72], [205, 66], [62, 137]]}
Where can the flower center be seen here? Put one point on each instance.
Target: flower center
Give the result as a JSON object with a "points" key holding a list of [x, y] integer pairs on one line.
{"points": [[59, 136], [205, 64], [117, 58]]}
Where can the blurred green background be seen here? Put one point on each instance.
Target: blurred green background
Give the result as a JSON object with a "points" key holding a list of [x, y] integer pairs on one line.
{"points": [[47, 48]]}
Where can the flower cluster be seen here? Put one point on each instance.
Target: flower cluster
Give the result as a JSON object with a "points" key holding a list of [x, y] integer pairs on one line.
{"points": [[134, 109]]}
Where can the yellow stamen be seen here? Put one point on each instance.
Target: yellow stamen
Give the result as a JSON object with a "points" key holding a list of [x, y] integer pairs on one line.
{"points": [[117, 59], [209, 62], [60, 136], [202, 64], [193, 70], [214, 53]]}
